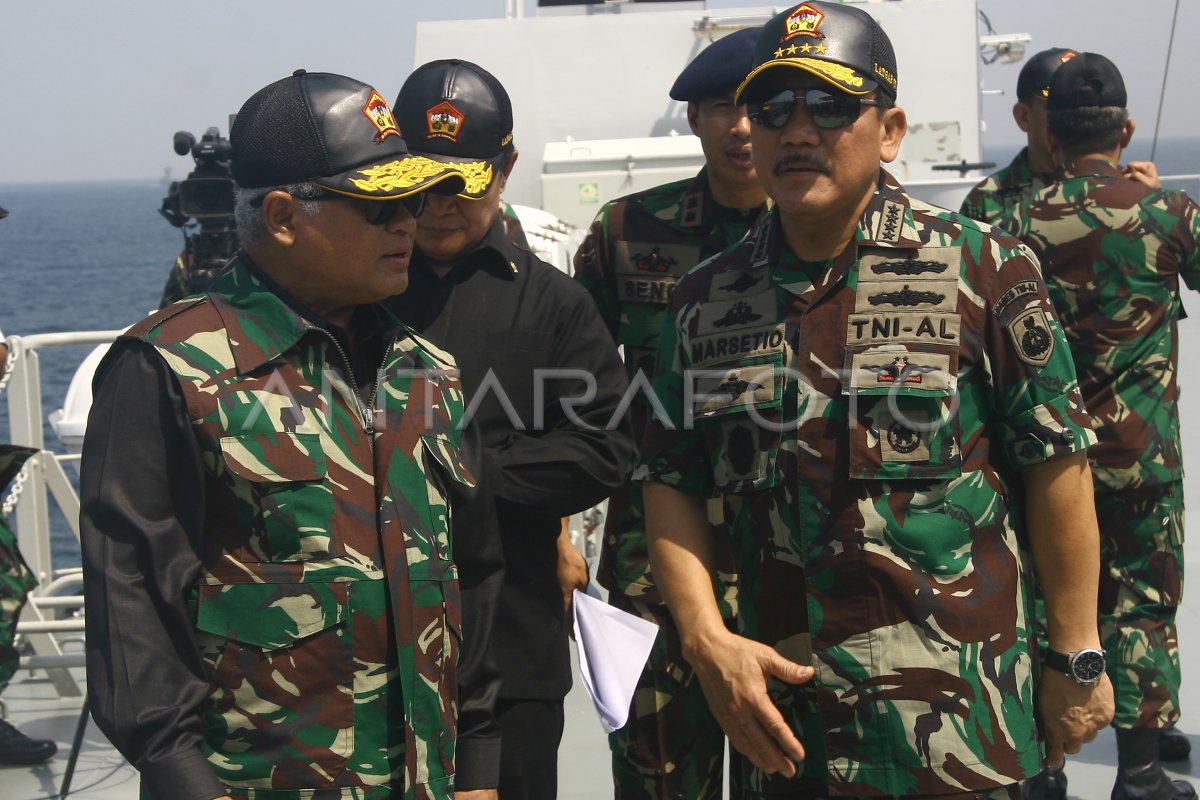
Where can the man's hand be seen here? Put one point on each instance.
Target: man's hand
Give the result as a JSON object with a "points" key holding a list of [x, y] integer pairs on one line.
{"points": [[1143, 172], [733, 673], [478, 794], [572, 570], [1072, 713]]}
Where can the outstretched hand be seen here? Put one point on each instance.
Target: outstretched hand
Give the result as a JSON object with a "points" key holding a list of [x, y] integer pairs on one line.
{"points": [[733, 672]]}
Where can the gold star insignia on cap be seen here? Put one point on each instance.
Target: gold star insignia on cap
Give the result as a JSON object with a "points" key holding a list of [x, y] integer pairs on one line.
{"points": [[807, 48], [792, 50], [821, 48], [779, 53]]}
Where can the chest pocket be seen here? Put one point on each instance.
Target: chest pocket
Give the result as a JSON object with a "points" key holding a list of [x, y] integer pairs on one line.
{"points": [[283, 498], [740, 407], [646, 273], [903, 420]]}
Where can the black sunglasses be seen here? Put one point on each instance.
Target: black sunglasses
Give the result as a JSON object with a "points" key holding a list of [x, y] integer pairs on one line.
{"points": [[377, 212], [828, 109]]}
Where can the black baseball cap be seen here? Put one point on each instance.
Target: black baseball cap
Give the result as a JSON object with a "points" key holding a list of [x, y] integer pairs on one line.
{"points": [[719, 68], [455, 112], [329, 130], [1087, 81], [840, 44], [1038, 71]]}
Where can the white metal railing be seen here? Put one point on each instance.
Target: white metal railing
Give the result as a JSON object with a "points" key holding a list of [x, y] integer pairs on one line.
{"points": [[43, 479]]}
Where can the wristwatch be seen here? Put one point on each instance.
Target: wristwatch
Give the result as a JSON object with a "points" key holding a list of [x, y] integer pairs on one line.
{"points": [[1084, 666]]}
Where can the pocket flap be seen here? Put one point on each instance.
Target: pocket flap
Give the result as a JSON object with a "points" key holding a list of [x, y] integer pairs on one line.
{"points": [[449, 455], [270, 616], [279, 457]]}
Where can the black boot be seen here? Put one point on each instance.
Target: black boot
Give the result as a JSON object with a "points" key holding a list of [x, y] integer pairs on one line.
{"points": [[1139, 775], [1049, 784], [1173, 745], [18, 749]]}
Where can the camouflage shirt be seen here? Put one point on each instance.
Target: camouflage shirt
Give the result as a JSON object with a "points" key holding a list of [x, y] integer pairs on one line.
{"points": [[1113, 252], [635, 251], [865, 422], [998, 198], [322, 594]]}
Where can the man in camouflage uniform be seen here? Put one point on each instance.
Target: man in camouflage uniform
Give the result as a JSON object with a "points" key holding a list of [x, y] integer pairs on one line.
{"points": [[635, 251], [877, 394], [1113, 252], [16, 582], [999, 196], [274, 606]]}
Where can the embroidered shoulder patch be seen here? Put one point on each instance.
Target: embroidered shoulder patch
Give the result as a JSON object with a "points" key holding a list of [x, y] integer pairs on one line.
{"points": [[1031, 335]]}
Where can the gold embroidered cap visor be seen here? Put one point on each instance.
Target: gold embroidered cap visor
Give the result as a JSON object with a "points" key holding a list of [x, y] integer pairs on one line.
{"points": [[334, 131], [477, 174], [841, 76], [398, 177], [842, 45]]}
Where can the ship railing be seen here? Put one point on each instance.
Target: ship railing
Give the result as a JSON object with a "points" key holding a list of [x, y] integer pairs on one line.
{"points": [[51, 621]]}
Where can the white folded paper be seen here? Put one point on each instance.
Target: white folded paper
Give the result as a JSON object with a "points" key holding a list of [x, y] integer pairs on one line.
{"points": [[613, 647]]}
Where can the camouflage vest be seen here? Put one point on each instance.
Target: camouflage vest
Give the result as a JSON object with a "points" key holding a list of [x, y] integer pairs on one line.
{"points": [[327, 609]]}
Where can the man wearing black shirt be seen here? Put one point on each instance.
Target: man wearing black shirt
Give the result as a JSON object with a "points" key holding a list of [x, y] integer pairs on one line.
{"points": [[543, 382]]}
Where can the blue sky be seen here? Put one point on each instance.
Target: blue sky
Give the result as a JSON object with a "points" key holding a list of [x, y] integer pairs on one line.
{"points": [[94, 91]]}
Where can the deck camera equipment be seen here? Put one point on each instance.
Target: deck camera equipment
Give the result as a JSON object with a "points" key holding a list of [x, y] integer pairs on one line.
{"points": [[202, 206]]}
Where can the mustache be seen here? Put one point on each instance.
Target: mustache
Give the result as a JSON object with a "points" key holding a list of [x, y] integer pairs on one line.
{"points": [[800, 160]]}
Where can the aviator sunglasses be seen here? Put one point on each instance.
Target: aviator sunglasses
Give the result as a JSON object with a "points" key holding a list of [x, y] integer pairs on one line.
{"points": [[828, 109], [377, 212]]}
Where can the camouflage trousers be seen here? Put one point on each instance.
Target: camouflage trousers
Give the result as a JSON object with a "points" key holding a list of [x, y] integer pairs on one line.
{"points": [[1141, 584], [672, 747], [16, 581]]}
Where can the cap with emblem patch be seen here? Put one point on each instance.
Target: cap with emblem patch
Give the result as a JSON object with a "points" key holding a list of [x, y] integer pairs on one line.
{"points": [[839, 44], [1035, 77], [719, 68], [456, 112], [333, 131]]}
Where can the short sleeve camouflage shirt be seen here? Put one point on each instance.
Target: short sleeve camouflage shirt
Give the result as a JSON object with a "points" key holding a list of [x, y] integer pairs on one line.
{"points": [[998, 198], [865, 423], [1113, 252]]}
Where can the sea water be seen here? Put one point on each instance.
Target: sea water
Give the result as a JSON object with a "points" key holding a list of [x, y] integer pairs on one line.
{"points": [[77, 257]]}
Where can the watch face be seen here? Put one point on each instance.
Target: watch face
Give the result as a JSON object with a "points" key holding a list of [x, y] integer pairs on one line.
{"points": [[1087, 666]]}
